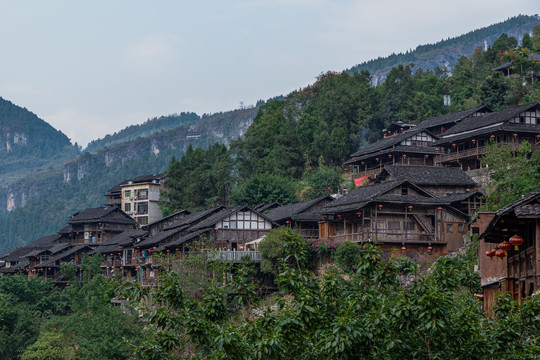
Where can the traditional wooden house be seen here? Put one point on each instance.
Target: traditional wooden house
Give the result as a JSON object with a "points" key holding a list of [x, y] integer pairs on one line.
{"points": [[19, 260], [400, 215], [95, 225], [464, 144], [514, 232], [303, 216], [406, 145]]}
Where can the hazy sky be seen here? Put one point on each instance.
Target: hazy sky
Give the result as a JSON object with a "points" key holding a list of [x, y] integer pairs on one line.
{"points": [[94, 67]]}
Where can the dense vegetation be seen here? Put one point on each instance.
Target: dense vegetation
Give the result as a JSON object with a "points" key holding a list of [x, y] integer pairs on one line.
{"points": [[359, 309], [293, 150], [296, 145], [40, 322], [150, 127], [447, 52]]}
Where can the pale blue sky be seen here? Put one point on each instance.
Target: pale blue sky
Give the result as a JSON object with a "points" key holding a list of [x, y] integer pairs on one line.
{"points": [[92, 68]]}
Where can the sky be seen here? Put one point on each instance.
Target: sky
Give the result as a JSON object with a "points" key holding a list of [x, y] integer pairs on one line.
{"points": [[90, 68]]}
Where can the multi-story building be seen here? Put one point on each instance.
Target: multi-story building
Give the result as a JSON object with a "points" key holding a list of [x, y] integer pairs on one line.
{"points": [[138, 197]]}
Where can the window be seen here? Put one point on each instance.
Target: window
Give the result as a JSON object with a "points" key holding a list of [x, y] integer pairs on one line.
{"points": [[127, 193], [142, 220], [461, 228], [142, 208], [404, 190], [410, 225], [449, 228], [127, 207], [394, 225], [142, 194]]}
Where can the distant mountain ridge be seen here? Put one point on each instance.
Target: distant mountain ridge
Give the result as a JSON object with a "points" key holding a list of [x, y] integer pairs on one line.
{"points": [[148, 128], [28, 143], [447, 52]]}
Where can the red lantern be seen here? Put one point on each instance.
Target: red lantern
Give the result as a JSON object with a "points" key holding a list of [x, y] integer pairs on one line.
{"points": [[363, 163], [410, 207], [479, 297], [323, 219], [350, 166], [505, 246], [403, 248], [491, 253], [429, 249], [474, 141], [402, 129], [439, 208], [516, 240], [426, 156], [340, 216], [500, 254], [215, 229], [454, 145], [377, 159], [492, 136], [436, 149], [168, 251], [288, 222], [177, 249], [404, 156], [390, 156], [515, 136], [379, 206], [359, 213]]}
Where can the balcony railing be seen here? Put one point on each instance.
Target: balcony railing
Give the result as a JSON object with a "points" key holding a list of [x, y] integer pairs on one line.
{"points": [[386, 236], [235, 256]]}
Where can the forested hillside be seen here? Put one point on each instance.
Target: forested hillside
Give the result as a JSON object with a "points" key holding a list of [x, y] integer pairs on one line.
{"points": [[296, 145], [447, 52], [28, 143], [43, 202], [289, 149], [150, 127]]}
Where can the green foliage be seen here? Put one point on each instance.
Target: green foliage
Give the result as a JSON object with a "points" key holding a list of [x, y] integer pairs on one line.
{"points": [[51, 345], [348, 256], [199, 178], [261, 189], [511, 173], [405, 265], [321, 182]]}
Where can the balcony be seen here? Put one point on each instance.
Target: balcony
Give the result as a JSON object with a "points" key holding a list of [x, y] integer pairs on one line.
{"points": [[235, 256]]}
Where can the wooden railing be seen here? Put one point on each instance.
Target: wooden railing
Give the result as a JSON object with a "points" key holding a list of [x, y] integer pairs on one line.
{"points": [[235, 256], [461, 154], [382, 236]]}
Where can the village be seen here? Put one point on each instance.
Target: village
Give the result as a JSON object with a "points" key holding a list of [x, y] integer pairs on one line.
{"points": [[418, 194]]}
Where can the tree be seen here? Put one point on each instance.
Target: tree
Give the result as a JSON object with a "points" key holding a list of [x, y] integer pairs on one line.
{"points": [[511, 174], [262, 189]]}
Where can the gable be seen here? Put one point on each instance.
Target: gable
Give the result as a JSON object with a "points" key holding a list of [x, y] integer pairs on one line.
{"points": [[244, 219], [419, 139]]}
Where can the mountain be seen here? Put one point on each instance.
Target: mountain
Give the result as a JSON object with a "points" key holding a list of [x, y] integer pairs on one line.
{"points": [[40, 204], [28, 143], [150, 127], [446, 53]]}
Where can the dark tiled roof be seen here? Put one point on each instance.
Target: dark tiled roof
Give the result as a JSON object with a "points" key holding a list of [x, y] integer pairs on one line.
{"points": [[63, 255], [359, 197], [527, 210], [490, 130], [192, 218], [519, 208], [288, 211], [477, 122], [389, 142], [454, 117], [125, 238], [37, 246], [263, 207], [116, 189], [430, 175], [182, 240], [109, 214], [402, 149], [162, 235]]}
